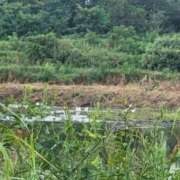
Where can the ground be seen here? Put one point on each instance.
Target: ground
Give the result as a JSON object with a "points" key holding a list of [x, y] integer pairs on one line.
{"points": [[165, 94]]}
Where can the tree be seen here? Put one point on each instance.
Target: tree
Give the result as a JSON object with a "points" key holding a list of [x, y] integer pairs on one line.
{"points": [[91, 19], [122, 12]]}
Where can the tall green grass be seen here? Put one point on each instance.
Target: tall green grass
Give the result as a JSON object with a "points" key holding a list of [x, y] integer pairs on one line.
{"points": [[82, 150], [68, 74]]}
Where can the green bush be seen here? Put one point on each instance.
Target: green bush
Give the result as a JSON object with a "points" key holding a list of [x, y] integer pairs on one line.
{"points": [[12, 50], [11, 56], [48, 48], [163, 53], [92, 38], [41, 47], [96, 57], [120, 32], [125, 39]]}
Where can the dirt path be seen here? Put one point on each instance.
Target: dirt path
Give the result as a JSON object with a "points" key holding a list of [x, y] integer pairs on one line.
{"points": [[164, 94]]}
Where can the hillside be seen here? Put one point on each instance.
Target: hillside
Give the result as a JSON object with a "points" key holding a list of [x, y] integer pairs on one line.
{"points": [[89, 41]]}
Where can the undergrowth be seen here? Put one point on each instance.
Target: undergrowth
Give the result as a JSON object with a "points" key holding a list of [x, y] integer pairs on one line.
{"points": [[91, 150]]}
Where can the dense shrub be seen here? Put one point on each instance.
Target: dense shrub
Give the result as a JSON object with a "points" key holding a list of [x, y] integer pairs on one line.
{"points": [[125, 39], [41, 47], [92, 38], [89, 58], [24, 73], [163, 53], [96, 57], [10, 56], [12, 50], [48, 48]]}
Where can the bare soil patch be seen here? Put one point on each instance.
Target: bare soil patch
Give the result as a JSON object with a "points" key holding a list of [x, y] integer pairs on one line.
{"points": [[164, 94]]}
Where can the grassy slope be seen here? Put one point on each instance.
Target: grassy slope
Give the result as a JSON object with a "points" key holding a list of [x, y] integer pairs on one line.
{"points": [[89, 59]]}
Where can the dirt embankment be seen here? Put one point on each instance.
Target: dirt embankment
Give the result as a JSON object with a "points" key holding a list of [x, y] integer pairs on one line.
{"points": [[164, 94]]}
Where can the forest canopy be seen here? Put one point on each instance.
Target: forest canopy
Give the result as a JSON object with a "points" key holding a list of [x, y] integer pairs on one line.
{"points": [[27, 17]]}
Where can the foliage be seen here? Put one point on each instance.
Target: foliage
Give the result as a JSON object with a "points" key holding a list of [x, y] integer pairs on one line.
{"points": [[88, 59], [80, 150], [68, 17], [91, 19], [47, 48], [164, 53], [92, 38], [103, 35], [126, 39]]}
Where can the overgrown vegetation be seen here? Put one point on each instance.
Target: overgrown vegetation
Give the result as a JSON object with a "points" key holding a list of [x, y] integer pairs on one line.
{"points": [[89, 40], [164, 53], [91, 150], [88, 59]]}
